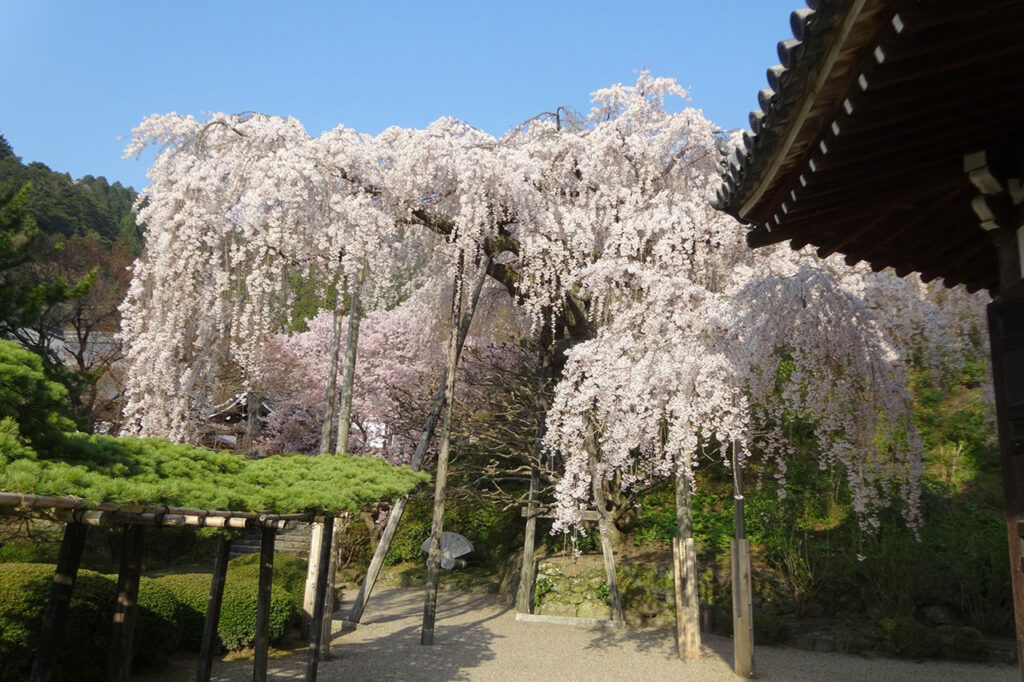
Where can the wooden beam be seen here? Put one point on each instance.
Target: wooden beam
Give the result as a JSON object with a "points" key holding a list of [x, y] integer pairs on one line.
{"points": [[119, 663], [540, 512], [262, 644], [68, 559], [213, 603], [323, 561]]}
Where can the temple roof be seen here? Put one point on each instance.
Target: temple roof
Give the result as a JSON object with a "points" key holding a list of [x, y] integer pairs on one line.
{"points": [[878, 131]]}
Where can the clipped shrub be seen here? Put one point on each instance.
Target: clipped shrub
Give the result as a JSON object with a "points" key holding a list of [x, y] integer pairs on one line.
{"points": [[968, 644], [769, 628], [24, 592], [909, 638], [237, 627], [289, 573], [192, 592]]}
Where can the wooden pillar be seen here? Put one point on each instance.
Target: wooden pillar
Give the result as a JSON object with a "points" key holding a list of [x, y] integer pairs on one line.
{"points": [[684, 573], [327, 617], [398, 508], [1006, 332], [323, 561], [742, 595], [262, 644], [524, 598], [312, 571], [743, 620], [441, 476], [220, 570], [68, 559], [119, 663]]}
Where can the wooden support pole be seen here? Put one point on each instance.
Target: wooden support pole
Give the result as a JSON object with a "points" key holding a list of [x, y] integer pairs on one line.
{"points": [[349, 371], [119, 663], [524, 598], [68, 559], [220, 570], [1006, 334], [398, 508], [317, 617], [742, 606], [742, 595], [312, 571], [327, 617], [684, 572], [441, 477], [262, 644]]}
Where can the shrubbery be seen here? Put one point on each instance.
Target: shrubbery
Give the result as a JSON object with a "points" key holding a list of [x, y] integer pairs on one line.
{"points": [[172, 611], [24, 591]]}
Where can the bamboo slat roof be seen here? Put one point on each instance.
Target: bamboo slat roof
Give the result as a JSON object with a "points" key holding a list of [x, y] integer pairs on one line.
{"points": [[78, 510], [862, 138]]}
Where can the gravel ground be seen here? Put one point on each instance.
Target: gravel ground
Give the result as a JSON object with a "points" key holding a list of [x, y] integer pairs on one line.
{"points": [[477, 638]]}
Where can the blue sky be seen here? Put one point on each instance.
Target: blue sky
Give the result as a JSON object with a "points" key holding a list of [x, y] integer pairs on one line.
{"points": [[80, 75]]}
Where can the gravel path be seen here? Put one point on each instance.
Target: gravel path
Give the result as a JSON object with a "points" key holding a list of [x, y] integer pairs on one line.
{"points": [[478, 638]]}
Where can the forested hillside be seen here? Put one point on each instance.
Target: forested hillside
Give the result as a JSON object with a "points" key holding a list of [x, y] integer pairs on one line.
{"points": [[64, 206], [65, 250]]}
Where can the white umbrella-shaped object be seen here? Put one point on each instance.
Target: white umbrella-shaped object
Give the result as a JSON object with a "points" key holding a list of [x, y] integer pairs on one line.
{"points": [[453, 546]]}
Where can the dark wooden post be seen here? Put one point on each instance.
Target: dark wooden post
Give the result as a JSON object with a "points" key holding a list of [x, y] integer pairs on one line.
{"points": [[262, 644], [1006, 338], [327, 617], [524, 598], [1006, 331], [398, 508], [119, 664], [68, 559], [320, 602], [441, 476], [742, 601], [220, 571]]}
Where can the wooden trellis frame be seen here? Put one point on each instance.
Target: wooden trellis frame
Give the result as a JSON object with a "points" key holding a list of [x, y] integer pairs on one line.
{"points": [[78, 515]]}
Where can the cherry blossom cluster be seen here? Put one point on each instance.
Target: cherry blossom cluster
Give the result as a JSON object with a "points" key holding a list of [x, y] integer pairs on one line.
{"points": [[698, 341]]}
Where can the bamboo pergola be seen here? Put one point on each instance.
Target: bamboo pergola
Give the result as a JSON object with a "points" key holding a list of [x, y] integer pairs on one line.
{"points": [[78, 515]]}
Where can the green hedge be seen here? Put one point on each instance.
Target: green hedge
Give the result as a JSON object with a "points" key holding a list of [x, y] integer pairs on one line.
{"points": [[24, 591], [237, 627], [172, 611]]}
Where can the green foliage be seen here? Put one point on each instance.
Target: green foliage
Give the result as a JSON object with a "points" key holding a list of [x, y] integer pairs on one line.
{"points": [[64, 206], [908, 638], [542, 587], [769, 628], [492, 530], [602, 592], [968, 644], [157, 471], [24, 592], [237, 626], [37, 406]]}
